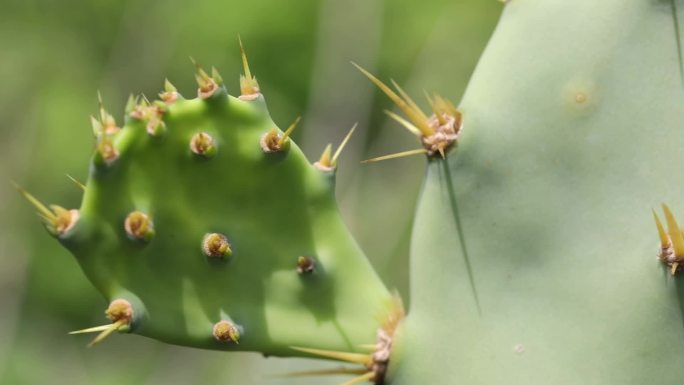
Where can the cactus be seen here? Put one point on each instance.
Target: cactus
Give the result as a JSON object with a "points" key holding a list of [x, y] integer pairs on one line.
{"points": [[204, 225], [533, 254], [533, 251]]}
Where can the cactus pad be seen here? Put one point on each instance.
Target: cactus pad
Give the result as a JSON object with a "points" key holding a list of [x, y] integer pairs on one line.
{"points": [[205, 225]]}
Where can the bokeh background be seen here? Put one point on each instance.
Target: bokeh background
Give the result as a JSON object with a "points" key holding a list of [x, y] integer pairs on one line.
{"points": [[56, 54]]}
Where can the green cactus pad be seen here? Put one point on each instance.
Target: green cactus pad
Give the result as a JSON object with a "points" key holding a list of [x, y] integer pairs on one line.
{"points": [[187, 218]]}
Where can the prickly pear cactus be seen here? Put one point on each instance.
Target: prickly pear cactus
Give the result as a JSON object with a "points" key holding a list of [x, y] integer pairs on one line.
{"points": [[204, 225], [535, 258], [534, 253]]}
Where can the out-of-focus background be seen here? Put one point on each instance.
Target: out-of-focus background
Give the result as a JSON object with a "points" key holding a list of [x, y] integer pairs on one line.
{"points": [[56, 55]]}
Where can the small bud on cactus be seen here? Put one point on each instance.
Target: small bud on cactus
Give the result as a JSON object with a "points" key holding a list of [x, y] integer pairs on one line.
{"points": [[208, 86], [106, 125], [154, 114], [139, 226], [305, 265], [106, 152], [216, 245], [202, 144], [272, 142], [120, 310], [249, 88], [672, 242], [64, 219], [226, 331], [137, 107], [170, 94]]}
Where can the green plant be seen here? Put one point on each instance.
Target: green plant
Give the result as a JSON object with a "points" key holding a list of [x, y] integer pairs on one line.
{"points": [[531, 256]]}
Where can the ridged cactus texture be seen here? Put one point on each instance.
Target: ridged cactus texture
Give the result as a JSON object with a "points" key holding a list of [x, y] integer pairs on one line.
{"points": [[534, 257]]}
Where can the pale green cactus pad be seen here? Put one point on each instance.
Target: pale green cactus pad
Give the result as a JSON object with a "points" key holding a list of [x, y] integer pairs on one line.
{"points": [[534, 254]]}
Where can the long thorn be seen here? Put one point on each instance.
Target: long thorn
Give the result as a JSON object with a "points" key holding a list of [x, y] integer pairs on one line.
{"points": [[366, 377], [408, 110], [79, 184], [435, 108], [324, 160], [397, 155], [322, 372], [408, 125], [94, 329], [112, 328], [675, 232], [216, 76], [454, 111], [105, 119], [168, 86], [131, 103], [98, 129], [44, 218], [410, 101], [42, 209], [674, 267], [245, 64], [344, 143], [248, 83], [201, 75], [356, 358], [101, 104], [289, 130], [662, 234]]}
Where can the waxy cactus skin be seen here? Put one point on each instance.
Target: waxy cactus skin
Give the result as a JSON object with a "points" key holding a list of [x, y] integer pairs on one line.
{"points": [[534, 256]]}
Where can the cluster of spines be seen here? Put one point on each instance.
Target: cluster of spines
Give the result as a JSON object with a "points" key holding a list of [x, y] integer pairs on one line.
{"points": [[328, 161], [249, 87], [170, 94], [208, 86], [437, 133], [671, 250], [120, 312], [203, 144], [57, 219], [375, 363], [104, 129], [272, 141]]}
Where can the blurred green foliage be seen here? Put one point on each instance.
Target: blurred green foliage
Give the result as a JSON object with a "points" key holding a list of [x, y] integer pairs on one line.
{"points": [[57, 54]]}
